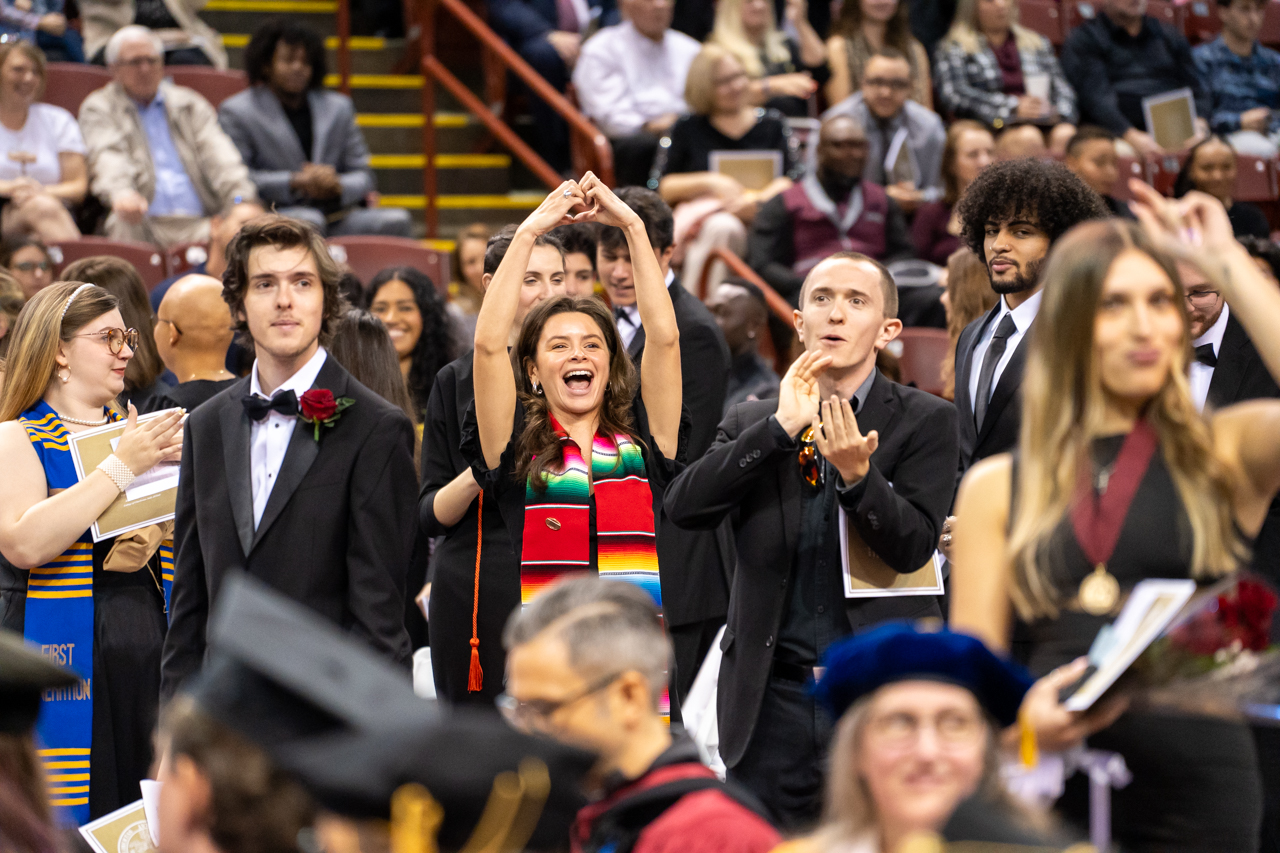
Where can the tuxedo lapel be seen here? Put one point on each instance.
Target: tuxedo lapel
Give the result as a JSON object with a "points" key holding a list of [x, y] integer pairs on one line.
{"points": [[235, 456], [1233, 354], [964, 364], [878, 412], [1006, 388], [302, 452], [637, 346]]}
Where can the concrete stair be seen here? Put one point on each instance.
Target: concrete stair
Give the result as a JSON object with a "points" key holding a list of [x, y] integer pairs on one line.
{"points": [[476, 179]]}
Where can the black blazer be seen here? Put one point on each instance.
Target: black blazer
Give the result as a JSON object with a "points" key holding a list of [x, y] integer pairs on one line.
{"points": [[1000, 430], [694, 588], [337, 532], [1240, 375], [753, 479]]}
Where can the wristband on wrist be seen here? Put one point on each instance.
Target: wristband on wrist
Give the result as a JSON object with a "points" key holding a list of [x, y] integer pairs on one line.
{"points": [[117, 471]]}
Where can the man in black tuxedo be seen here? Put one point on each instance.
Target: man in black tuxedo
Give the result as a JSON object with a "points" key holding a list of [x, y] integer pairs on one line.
{"points": [[324, 511], [695, 594], [883, 454], [1009, 217]]}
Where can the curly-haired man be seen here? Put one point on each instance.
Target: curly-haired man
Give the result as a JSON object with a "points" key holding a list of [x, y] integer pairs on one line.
{"points": [[1010, 217], [297, 473]]}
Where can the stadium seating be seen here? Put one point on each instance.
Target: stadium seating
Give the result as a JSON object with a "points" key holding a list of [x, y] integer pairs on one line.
{"points": [[67, 84], [148, 260], [215, 84], [367, 256], [923, 351]]}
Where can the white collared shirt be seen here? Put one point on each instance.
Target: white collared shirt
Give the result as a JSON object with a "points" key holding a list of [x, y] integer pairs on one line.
{"points": [[269, 437], [624, 79], [1201, 376], [629, 323], [1023, 316]]}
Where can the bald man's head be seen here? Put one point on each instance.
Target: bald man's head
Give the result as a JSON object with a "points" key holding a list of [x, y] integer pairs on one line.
{"points": [[193, 322]]}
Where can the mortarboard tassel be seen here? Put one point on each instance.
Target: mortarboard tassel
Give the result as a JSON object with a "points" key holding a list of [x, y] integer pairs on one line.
{"points": [[475, 675]]}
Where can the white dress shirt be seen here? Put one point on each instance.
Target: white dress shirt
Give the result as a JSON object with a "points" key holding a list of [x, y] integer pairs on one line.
{"points": [[269, 437], [1202, 374], [1022, 317], [629, 322], [624, 79]]}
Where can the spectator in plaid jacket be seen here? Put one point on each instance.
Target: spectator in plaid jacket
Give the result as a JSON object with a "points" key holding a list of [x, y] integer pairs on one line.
{"points": [[991, 69], [1243, 80]]}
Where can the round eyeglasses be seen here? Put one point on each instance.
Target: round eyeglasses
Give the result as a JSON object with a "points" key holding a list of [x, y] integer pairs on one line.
{"points": [[114, 338]]}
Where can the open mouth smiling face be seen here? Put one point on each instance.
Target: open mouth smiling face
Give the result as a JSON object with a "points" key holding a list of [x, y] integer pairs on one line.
{"points": [[573, 363]]}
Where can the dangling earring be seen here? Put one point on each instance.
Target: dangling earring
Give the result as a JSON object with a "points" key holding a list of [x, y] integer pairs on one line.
{"points": [[67, 378], [537, 389]]}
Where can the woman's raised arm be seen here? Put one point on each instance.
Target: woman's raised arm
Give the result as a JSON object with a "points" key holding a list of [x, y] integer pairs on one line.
{"points": [[495, 384], [660, 365]]}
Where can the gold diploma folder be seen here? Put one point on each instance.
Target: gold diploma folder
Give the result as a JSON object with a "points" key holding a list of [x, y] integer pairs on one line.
{"points": [[867, 576], [753, 169], [1171, 117], [150, 499], [123, 831]]}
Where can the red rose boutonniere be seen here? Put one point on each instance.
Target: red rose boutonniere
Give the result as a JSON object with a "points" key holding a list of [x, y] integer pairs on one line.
{"points": [[319, 408]]}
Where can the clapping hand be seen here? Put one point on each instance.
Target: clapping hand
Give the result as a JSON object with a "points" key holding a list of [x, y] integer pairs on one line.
{"points": [[159, 439], [798, 393], [841, 442]]}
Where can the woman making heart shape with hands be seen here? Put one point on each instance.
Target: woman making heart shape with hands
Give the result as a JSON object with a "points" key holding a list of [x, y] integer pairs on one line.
{"points": [[577, 446]]}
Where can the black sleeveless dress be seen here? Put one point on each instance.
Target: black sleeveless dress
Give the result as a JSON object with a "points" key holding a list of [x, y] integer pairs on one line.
{"points": [[1196, 785]]}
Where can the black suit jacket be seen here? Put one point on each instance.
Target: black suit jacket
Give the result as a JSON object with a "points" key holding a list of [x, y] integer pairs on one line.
{"points": [[1240, 375], [337, 532], [752, 478], [692, 574], [1000, 429]]}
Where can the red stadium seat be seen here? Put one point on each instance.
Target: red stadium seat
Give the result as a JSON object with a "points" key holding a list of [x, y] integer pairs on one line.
{"points": [[1163, 171], [215, 84], [67, 84], [1129, 167], [1166, 13], [1270, 32], [1200, 20], [923, 351], [1044, 17], [147, 259], [182, 257], [367, 256], [1079, 11], [1255, 179]]}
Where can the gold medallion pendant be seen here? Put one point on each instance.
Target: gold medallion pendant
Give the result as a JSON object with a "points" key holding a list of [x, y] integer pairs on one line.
{"points": [[1099, 592]]}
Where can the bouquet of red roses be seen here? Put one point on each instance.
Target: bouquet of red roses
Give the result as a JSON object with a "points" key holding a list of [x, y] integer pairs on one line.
{"points": [[1217, 655]]}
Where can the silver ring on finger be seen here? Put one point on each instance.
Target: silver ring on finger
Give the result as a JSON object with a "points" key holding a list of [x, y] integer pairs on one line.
{"points": [[568, 192]]}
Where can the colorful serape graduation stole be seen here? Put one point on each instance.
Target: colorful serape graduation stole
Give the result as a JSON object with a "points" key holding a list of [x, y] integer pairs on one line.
{"points": [[59, 619], [557, 520]]}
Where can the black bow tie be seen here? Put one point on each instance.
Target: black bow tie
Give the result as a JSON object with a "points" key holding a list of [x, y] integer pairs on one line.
{"points": [[1204, 355], [286, 403]]}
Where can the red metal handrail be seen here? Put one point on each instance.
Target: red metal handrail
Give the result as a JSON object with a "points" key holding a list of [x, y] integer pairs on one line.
{"points": [[344, 46], [589, 148], [783, 351]]}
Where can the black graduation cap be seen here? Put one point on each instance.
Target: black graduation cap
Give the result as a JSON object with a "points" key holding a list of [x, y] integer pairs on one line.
{"points": [[24, 675], [279, 673], [486, 779], [349, 727]]}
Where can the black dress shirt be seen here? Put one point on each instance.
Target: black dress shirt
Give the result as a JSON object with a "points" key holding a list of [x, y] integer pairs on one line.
{"points": [[1113, 71], [814, 617]]}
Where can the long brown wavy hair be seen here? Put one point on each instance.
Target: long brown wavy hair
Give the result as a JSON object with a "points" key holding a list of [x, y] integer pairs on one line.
{"points": [[539, 450], [1063, 407]]}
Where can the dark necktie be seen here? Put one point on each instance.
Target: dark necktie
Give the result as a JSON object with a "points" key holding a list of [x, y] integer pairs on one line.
{"points": [[994, 353], [286, 403], [1204, 355], [622, 315]]}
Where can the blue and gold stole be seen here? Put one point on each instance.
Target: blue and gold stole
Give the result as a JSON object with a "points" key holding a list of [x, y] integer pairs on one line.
{"points": [[59, 619]]}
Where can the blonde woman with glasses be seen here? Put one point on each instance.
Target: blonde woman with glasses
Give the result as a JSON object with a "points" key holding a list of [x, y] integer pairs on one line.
{"points": [[785, 70], [95, 608]]}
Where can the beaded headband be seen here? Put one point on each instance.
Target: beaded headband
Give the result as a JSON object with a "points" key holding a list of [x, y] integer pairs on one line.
{"points": [[72, 298]]}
